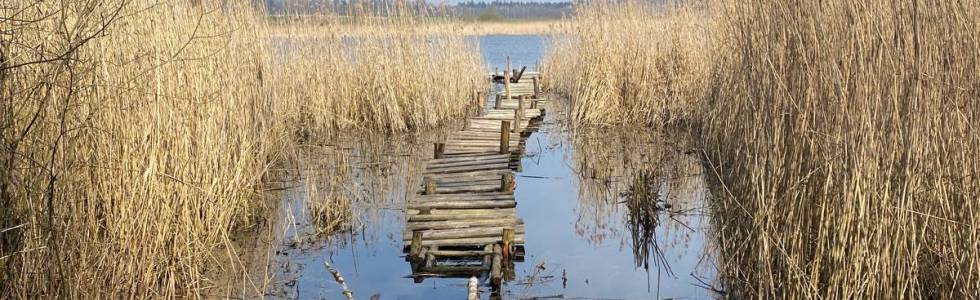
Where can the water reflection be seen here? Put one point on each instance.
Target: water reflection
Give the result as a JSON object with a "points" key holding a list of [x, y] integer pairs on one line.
{"points": [[640, 193]]}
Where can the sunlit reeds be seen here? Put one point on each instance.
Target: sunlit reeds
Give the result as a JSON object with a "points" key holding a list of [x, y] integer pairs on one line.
{"points": [[630, 62], [393, 74], [844, 135], [847, 133], [136, 135]]}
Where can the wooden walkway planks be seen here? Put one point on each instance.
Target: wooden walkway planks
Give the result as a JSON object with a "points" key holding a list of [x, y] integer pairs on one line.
{"points": [[463, 220]]}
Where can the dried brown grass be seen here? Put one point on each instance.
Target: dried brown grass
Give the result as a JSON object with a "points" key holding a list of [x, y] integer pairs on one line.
{"points": [[630, 63], [844, 135], [137, 134], [847, 133]]}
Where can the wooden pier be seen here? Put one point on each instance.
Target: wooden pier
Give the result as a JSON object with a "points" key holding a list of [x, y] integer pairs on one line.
{"points": [[463, 221]]}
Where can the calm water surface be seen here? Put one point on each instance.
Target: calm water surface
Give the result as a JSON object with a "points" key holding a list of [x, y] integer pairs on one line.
{"points": [[608, 215]]}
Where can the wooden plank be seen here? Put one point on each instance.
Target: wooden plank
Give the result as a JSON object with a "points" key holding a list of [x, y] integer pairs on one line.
{"points": [[468, 189], [473, 213], [460, 163], [451, 181], [469, 241], [465, 169], [462, 224], [460, 253], [470, 196], [452, 270], [503, 214], [482, 181], [492, 156], [462, 233], [460, 175], [463, 204]]}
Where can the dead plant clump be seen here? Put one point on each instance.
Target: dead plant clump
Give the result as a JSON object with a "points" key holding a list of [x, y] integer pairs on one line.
{"points": [[135, 134]]}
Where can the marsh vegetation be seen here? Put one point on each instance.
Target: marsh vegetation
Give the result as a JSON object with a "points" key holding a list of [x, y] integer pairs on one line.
{"points": [[165, 149], [843, 134], [138, 135]]}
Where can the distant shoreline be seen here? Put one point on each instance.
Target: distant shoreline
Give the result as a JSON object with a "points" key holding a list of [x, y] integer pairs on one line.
{"points": [[466, 27]]}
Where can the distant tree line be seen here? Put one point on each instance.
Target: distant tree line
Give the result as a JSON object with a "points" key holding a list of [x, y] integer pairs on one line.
{"points": [[512, 10], [485, 11]]}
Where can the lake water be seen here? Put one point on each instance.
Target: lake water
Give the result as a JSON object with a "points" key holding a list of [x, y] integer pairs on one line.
{"points": [[524, 50], [609, 214]]}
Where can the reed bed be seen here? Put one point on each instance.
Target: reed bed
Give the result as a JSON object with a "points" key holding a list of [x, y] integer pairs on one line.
{"points": [[846, 134], [136, 135], [843, 134], [389, 74], [630, 63]]}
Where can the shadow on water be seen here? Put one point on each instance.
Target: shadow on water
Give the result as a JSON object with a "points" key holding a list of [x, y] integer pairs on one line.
{"points": [[608, 214]]}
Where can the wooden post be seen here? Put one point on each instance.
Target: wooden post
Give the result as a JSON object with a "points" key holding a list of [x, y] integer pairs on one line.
{"points": [[430, 185], [472, 290], [498, 102], [438, 150], [430, 260], [508, 239], [416, 244], [495, 265], [481, 102], [496, 71], [519, 113], [504, 137], [507, 183], [507, 75], [537, 86]]}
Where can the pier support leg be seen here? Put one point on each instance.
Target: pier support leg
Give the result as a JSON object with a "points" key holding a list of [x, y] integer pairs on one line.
{"points": [[519, 113], [507, 75], [416, 247], [508, 239], [537, 87], [495, 268], [504, 137], [438, 150], [507, 183], [430, 185], [481, 103]]}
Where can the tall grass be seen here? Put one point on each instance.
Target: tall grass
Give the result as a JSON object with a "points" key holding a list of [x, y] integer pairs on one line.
{"points": [[847, 134], [137, 134], [844, 135], [630, 62], [390, 74]]}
